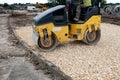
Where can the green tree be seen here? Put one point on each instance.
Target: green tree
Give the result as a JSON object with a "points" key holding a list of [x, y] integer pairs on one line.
{"points": [[104, 2], [57, 2], [12, 7], [5, 5], [48, 5]]}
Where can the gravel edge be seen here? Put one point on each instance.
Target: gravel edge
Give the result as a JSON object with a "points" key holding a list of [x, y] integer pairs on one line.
{"points": [[39, 61]]}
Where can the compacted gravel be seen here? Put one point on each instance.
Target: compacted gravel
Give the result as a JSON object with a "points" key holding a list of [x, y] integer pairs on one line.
{"points": [[83, 62]]}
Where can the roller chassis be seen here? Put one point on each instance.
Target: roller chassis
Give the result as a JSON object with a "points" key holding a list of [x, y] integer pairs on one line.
{"points": [[54, 26]]}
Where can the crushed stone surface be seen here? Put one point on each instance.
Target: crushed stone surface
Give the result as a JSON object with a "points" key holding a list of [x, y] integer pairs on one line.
{"points": [[83, 62]]}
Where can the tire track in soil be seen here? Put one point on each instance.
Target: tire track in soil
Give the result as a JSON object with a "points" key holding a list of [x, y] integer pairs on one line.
{"points": [[15, 52]]}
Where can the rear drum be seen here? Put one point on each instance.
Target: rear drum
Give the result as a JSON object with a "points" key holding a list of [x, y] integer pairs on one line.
{"points": [[93, 37]]}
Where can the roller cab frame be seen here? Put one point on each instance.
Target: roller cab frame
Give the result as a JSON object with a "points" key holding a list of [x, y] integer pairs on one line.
{"points": [[56, 25]]}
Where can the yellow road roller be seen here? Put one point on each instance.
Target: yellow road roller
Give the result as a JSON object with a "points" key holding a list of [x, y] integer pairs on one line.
{"points": [[56, 25]]}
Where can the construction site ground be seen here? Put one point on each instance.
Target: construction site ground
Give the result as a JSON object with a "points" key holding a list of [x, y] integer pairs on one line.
{"points": [[74, 58], [13, 63]]}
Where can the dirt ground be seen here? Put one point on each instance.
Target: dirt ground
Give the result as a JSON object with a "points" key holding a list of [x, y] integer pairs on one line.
{"points": [[23, 20], [13, 63], [17, 68], [80, 61], [112, 20]]}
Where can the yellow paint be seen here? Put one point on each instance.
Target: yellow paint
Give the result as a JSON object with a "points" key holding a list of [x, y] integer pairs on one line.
{"points": [[62, 33], [48, 26], [94, 20]]}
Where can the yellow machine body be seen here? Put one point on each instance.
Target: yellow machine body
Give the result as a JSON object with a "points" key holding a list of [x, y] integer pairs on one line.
{"points": [[57, 25], [60, 32], [72, 31], [77, 30]]}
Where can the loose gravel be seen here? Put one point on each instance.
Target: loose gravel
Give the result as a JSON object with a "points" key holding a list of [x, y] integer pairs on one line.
{"points": [[83, 62]]}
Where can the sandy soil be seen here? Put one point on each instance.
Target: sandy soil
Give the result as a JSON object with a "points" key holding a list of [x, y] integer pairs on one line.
{"points": [[6, 46], [18, 68], [83, 62], [13, 64]]}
